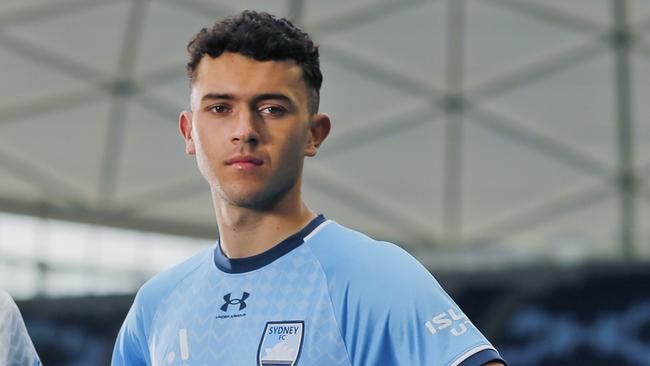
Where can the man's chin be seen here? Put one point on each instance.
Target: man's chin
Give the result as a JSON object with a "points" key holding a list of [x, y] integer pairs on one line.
{"points": [[256, 195], [252, 199]]}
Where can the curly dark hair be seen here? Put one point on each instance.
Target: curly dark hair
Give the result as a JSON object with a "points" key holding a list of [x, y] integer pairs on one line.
{"points": [[263, 37]]}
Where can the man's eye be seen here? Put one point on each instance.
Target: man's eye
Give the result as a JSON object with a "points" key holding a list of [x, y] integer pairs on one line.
{"points": [[219, 109], [274, 111]]}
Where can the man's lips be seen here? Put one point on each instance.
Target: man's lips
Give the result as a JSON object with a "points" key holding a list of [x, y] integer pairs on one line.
{"points": [[244, 161]]}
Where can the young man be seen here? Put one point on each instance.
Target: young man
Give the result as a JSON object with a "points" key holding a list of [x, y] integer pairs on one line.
{"points": [[16, 348], [282, 286]]}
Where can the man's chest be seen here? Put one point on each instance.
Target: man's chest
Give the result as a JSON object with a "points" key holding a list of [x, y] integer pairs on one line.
{"points": [[248, 322]]}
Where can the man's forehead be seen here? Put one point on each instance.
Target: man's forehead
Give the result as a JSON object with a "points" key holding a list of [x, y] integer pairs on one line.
{"points": [[232, 73], [233, 65]]}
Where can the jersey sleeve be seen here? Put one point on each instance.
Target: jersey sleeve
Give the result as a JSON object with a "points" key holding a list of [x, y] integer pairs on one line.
{"points": [[391, 310], [131, 345], [16, 348]]}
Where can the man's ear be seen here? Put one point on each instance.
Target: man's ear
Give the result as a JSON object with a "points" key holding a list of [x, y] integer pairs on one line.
{"points": [[320, 127], [185, 128]]}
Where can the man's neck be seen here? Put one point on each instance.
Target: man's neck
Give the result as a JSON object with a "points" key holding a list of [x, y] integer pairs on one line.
{"points": [[245, 232]]}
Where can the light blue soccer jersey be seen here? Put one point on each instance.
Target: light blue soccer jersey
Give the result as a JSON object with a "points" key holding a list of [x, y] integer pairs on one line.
{"points": [[327, 295]]}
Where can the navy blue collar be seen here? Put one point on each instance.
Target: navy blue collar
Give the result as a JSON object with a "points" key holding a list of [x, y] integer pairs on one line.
{"points": [[241, 265]]}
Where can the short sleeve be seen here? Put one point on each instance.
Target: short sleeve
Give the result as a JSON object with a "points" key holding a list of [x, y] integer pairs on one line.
{"points": [[16, 348], [391, 310], [131, 345], [406, 317]]}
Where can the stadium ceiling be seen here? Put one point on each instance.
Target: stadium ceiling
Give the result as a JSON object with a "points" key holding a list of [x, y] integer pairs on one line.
{"points": [[516, 124]]}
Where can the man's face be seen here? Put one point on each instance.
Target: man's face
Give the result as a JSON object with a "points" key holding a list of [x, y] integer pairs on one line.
{"points": [[250, 128]]}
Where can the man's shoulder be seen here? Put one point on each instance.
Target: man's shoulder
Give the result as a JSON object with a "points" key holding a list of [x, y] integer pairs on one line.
{"points": [[348, 253], [375, 277], [350, 247], [166, 281]]}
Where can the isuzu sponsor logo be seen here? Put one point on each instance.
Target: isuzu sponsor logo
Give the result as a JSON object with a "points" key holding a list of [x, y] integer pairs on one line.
{"points": [[452, 320]]}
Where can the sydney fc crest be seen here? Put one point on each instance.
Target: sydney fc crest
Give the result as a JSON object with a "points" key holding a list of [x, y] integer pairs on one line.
{"points": [[281, 343]]}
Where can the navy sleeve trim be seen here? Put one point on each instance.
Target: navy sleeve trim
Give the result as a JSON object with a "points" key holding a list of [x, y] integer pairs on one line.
{"points": [[241, 265], [482, 357]]}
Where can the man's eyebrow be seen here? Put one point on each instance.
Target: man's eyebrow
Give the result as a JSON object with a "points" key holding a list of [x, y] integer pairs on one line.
{"points": [[212, 96], [257, 99], [275, 96]]}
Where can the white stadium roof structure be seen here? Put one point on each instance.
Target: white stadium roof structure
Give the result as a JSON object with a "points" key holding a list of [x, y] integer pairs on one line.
{"points": [[475, 132]]}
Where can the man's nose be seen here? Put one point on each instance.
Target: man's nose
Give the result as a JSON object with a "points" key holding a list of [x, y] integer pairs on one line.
{"points": [[246, 128]]}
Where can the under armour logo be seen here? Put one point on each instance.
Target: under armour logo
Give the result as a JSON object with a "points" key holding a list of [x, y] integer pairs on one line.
{"points": [[228, 301]]}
